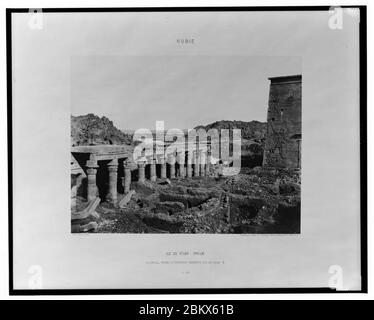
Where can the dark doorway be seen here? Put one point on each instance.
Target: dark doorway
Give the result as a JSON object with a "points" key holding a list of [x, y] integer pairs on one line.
{"points": [[102, 179]]}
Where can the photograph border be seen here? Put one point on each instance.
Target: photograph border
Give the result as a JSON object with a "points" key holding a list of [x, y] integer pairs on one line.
{"points": [[363, 156]]}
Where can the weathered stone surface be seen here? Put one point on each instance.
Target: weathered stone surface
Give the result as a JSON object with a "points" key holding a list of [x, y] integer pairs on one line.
{"points": [[170, 207], [88, 211], [141, 170], [204, 192], [88, 227], [127, 176], [188, 200], [164, 181], [289, 188], [113, 176], [283, 140], [162, 221], [275, 187], [244, 207], [126, 199], [145, 188], [180, 189], [153, 170], [210, 204]]}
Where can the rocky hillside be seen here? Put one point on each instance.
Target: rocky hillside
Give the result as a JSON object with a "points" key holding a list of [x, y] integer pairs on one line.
{"points": [[253, 139], [92, 130], [253, 130]]}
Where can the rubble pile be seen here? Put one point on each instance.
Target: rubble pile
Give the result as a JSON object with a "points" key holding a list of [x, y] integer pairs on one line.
{"points": [[255, 202]]}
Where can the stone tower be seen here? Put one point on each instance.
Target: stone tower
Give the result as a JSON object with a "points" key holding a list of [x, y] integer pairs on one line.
{"points": [[283, 139]]}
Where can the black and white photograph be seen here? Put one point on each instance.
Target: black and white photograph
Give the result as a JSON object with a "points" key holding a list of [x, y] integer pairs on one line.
{"points": [[182, 162], [187, 149]]}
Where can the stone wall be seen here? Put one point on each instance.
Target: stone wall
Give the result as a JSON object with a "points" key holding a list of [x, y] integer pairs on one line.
{"points": [[283, 140]]}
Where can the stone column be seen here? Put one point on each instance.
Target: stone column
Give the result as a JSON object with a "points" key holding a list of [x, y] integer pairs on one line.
{"points": [[208, 163], [171, 162], [91, 178], [113, 176], [163, 167], [74, 199], [127, 177], [153, 170], [141, 170], [189, 165], [202, 164], [197, 164], [182, 172]]}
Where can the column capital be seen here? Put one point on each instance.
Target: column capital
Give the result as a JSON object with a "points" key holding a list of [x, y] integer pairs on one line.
{"points": [[161, 158], [151, 160], [127, 164], [171, 158], [113, 162], [181, 158], [141, 161], [92, 162]]}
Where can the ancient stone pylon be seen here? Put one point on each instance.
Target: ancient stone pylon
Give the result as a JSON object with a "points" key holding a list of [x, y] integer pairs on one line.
{"points": [[283, 139]]}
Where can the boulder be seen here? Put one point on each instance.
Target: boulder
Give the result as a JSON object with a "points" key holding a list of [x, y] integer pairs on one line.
{"points": [[289, 188], [145, 188], [188, 200], [275, 186], [203, 192], [169, 206], [89, 210], [126, 199], [164, 182]]}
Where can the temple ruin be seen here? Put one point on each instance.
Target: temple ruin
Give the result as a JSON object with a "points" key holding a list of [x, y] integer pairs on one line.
{"points": [[107, 171], [168, 190]]}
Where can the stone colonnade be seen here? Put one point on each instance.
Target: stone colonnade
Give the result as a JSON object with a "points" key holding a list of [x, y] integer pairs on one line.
{"points": [[198, 165]]}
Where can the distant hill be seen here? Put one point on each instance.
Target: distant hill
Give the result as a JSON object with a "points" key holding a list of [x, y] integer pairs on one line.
{"points": [[253, 139], [91, 130], [253, 130]]}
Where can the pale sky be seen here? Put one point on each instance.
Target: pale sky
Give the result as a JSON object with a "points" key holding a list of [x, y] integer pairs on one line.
{"points": [[184, 91]]}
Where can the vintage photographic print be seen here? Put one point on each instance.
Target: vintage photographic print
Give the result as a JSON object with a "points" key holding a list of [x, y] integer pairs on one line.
{"points": [[207, 165], [187, 149]]}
